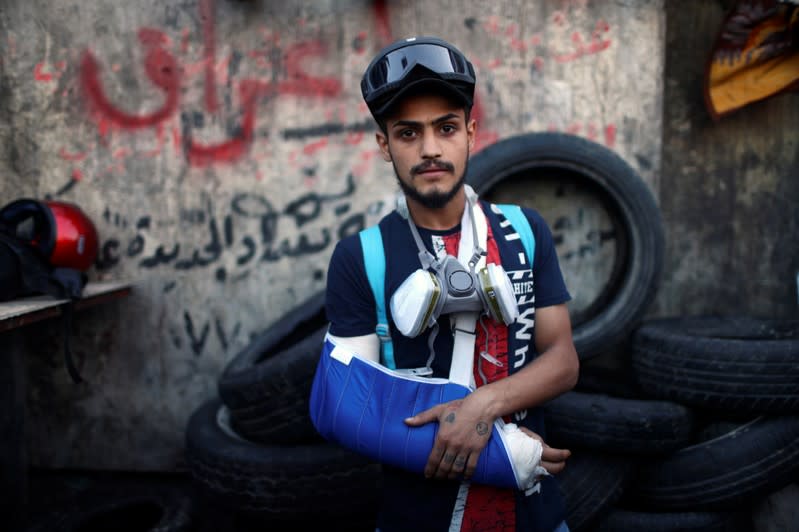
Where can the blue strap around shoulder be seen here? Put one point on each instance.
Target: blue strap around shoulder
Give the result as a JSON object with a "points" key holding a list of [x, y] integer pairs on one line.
{"points": [[374, 259], [514, 214]]}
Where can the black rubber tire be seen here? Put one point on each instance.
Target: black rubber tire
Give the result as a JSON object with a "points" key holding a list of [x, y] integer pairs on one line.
{"points": [[281, 415], [266, 385], [610, 373], [161, 510], [628, 200], [726, 472], [632, 521], [616, 382], [615, 425], [590, 484], [733, 364], [284, 482]]}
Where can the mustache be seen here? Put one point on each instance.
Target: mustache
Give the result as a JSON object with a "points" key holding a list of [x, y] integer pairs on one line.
{"points": [[433, 164]]}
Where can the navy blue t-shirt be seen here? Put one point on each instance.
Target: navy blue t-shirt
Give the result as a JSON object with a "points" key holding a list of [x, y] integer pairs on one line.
{"points": [[410, 501]]}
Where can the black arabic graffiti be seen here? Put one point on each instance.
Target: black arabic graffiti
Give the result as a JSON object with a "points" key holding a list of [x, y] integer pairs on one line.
{"points": [[573, 238], [198, 333], [258, 240]]}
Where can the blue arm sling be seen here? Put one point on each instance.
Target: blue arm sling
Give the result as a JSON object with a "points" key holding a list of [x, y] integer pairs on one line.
{"points": [[362, 405]]}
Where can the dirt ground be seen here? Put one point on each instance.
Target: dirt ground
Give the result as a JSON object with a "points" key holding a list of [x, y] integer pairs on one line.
{"points": [[135, 502]]}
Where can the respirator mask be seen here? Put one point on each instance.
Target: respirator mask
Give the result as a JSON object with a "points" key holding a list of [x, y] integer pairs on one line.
{"points": [[448, 285]]}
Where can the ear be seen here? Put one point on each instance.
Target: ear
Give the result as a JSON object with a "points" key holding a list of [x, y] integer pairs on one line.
{"points": [[382, 142], [471, 133]]}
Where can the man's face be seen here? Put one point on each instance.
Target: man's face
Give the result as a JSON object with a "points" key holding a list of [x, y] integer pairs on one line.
{"points": [[428, 140]]}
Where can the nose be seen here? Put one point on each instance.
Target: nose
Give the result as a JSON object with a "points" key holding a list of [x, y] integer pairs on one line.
{"points": [[431, 149]]}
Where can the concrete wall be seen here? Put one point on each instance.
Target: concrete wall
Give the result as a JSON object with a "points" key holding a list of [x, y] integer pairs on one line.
{"points": [[729, 191], [223, 147]]}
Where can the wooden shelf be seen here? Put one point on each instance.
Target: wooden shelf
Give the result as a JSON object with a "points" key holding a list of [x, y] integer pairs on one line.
{"points": [[19, 312]]}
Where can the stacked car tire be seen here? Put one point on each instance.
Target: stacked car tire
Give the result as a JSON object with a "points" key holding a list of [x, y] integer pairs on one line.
{"points": [[254, 452], [693, 426], [707, 428], [696, 420]]}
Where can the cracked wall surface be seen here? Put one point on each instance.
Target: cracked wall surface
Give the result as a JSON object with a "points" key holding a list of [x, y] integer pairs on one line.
{"points": [[222, 148]]}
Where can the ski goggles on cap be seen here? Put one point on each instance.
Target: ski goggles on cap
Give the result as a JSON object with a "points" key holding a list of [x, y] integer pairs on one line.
{"points": [[387, 72]]}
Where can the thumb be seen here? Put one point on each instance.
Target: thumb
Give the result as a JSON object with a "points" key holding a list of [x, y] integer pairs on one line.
{"points": [[424, 417]]}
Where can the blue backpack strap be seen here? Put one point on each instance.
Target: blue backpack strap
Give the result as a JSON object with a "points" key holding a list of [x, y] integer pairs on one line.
{"points": [[374, 258], [514, 214]]}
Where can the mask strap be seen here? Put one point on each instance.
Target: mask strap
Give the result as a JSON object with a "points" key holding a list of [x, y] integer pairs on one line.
{"points": [[425, 257], [477, 240], [431, 347], [470, 253], [427, 370], [460, 371], [465, 322], [474, 241]]}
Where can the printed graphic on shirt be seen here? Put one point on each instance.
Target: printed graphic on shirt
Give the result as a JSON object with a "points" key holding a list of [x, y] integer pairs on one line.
{"points": [[487, 508], [523, 330], [440, 248], [491, 347], [509, 346]]}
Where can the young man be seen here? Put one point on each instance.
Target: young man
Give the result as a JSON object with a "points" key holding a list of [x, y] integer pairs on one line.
{"points": [[420, 92]]}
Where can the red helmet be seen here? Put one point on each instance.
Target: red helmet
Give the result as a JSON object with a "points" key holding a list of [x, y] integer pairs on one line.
{"points": [[61, 231]]}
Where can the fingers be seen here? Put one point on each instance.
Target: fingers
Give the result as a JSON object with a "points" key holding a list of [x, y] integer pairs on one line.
{"points": [[550, 454], [531, 434], [434, 460], [452, 466], [424, 417], [552, 459], [471, 465], [449, 464], [553, 467]]}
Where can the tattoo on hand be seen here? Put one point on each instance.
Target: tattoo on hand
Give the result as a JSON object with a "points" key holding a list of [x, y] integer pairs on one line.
{"points": [[449, 458], [450, 417], [460, 462], [482, 428]]}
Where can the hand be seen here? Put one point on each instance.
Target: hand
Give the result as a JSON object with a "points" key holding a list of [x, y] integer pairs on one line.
{"points": [[464, 429], [552, 459]]}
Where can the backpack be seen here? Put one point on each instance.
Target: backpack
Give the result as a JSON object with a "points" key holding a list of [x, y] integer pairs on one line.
{"points": [[25, 272]]}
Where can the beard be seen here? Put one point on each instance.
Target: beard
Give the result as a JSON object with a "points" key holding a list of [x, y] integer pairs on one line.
{"points": [[435, 199]]}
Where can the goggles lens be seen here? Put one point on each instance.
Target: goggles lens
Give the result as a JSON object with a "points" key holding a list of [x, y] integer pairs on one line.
{"points": [[396, 65]]}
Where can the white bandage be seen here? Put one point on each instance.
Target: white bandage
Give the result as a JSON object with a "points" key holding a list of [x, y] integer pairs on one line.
{"points": [[525, 453]]}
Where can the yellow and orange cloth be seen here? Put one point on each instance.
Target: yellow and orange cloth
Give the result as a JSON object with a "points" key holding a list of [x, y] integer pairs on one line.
{"points": [[756, 55]]}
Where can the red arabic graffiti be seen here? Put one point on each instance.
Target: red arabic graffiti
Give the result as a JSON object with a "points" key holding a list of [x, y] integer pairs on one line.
{"points": [[543, 52], [581, 49], [67, 156], [382, 20], [39, 73], [228, 151], [485, 136], [165, 72], [209, 52], [161, 68]]}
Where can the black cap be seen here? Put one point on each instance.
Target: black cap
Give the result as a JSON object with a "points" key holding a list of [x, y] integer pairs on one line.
{"points": [[417, 64], [424, 85]]}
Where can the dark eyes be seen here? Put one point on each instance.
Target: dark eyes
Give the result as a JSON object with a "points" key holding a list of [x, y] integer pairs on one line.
{"points": [[446, 129]]}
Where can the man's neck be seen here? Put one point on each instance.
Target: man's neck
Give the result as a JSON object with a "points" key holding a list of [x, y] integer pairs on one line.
{"points": [[441, 219]]}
